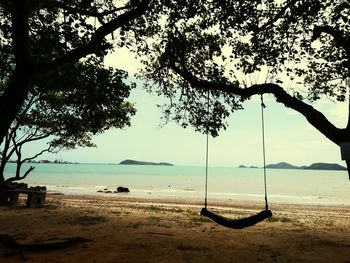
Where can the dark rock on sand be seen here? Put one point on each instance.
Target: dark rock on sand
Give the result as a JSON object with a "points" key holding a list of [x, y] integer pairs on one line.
{"points": [[122, 189]]}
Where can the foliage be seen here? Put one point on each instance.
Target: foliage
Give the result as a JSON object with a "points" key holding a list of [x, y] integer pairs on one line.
{"points": [[81, 100], [52, 80], [207, 57], [241, 48], [39, 39], [68, 109]]}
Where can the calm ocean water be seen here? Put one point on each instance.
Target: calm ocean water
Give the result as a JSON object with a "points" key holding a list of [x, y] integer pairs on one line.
{"points": [[284, 186]]}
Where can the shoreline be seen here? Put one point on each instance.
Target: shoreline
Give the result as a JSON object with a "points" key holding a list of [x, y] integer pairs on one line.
{"points": [[126, 229], [229, 208], [199, 199], [287, 186], [123, 197]]}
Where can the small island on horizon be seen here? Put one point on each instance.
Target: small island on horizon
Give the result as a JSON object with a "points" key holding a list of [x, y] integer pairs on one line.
{"points": [[314, 166], [135, 162]]}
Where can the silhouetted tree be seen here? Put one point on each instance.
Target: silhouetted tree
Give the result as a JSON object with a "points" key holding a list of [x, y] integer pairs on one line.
{"points": [[39, 38], [191, 49], [297, 50], [75, 103]]}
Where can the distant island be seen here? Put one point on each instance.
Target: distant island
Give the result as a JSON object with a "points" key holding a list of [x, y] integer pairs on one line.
{"points": [[57, 161], [284, 165], [134, 162], [243, 166], [314, 166]]}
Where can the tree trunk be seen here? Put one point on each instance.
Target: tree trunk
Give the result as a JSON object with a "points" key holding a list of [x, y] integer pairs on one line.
{"points": [[11, 100], [348, 166], [2, 181], [13, 97]]}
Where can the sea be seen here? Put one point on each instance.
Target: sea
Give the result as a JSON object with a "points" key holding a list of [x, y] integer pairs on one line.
{"points": [[319, 187]]}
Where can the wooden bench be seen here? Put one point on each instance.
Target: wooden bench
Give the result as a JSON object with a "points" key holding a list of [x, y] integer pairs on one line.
{"points": [[35, 196]]}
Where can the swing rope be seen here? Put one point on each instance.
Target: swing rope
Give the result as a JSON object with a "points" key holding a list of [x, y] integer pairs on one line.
{"points": [[263, 106], [207, 155], [241, 222]]}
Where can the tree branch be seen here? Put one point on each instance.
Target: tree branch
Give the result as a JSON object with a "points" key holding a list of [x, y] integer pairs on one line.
{"points": [[12, 179], [4, 156], [33, 99], [90, 13], [276, 17], [35, 137], [314, 117], [18, 123], [94, 44], [35, 156], [28, 140], [27, 172], [19, 157], [338, 36]]}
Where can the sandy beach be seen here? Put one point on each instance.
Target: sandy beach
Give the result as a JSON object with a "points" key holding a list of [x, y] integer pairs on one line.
{"points": [[120, 229]]}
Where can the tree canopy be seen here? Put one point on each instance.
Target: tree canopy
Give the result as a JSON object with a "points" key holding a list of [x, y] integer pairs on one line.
{"points": [[52, 78], [193, 51], [66, 110], [297, 50], [40, 38]]}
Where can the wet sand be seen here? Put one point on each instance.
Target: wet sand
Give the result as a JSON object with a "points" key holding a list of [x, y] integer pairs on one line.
{"points": [[150, 230]]}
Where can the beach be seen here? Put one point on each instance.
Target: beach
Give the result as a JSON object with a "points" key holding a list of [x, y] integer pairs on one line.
{"points": [[122, 229]]}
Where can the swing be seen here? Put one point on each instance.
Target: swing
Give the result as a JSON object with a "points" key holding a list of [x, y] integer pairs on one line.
{"points": [[240, 222]]}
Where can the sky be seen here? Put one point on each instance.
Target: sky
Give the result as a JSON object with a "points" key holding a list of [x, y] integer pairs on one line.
{"points": [[288, 136]]}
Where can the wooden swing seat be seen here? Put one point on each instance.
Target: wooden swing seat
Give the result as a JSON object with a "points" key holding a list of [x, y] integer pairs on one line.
{"points": [[237, 223]]}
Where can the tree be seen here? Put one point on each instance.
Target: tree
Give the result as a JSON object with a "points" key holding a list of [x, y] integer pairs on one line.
{"points": [[45, 47], [189, 47], [297, 50], [39, 38], [52, 82], [67, 109]]}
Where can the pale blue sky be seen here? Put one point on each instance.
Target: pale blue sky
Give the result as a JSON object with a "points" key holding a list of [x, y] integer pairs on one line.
{"points": [[289, 137]]}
